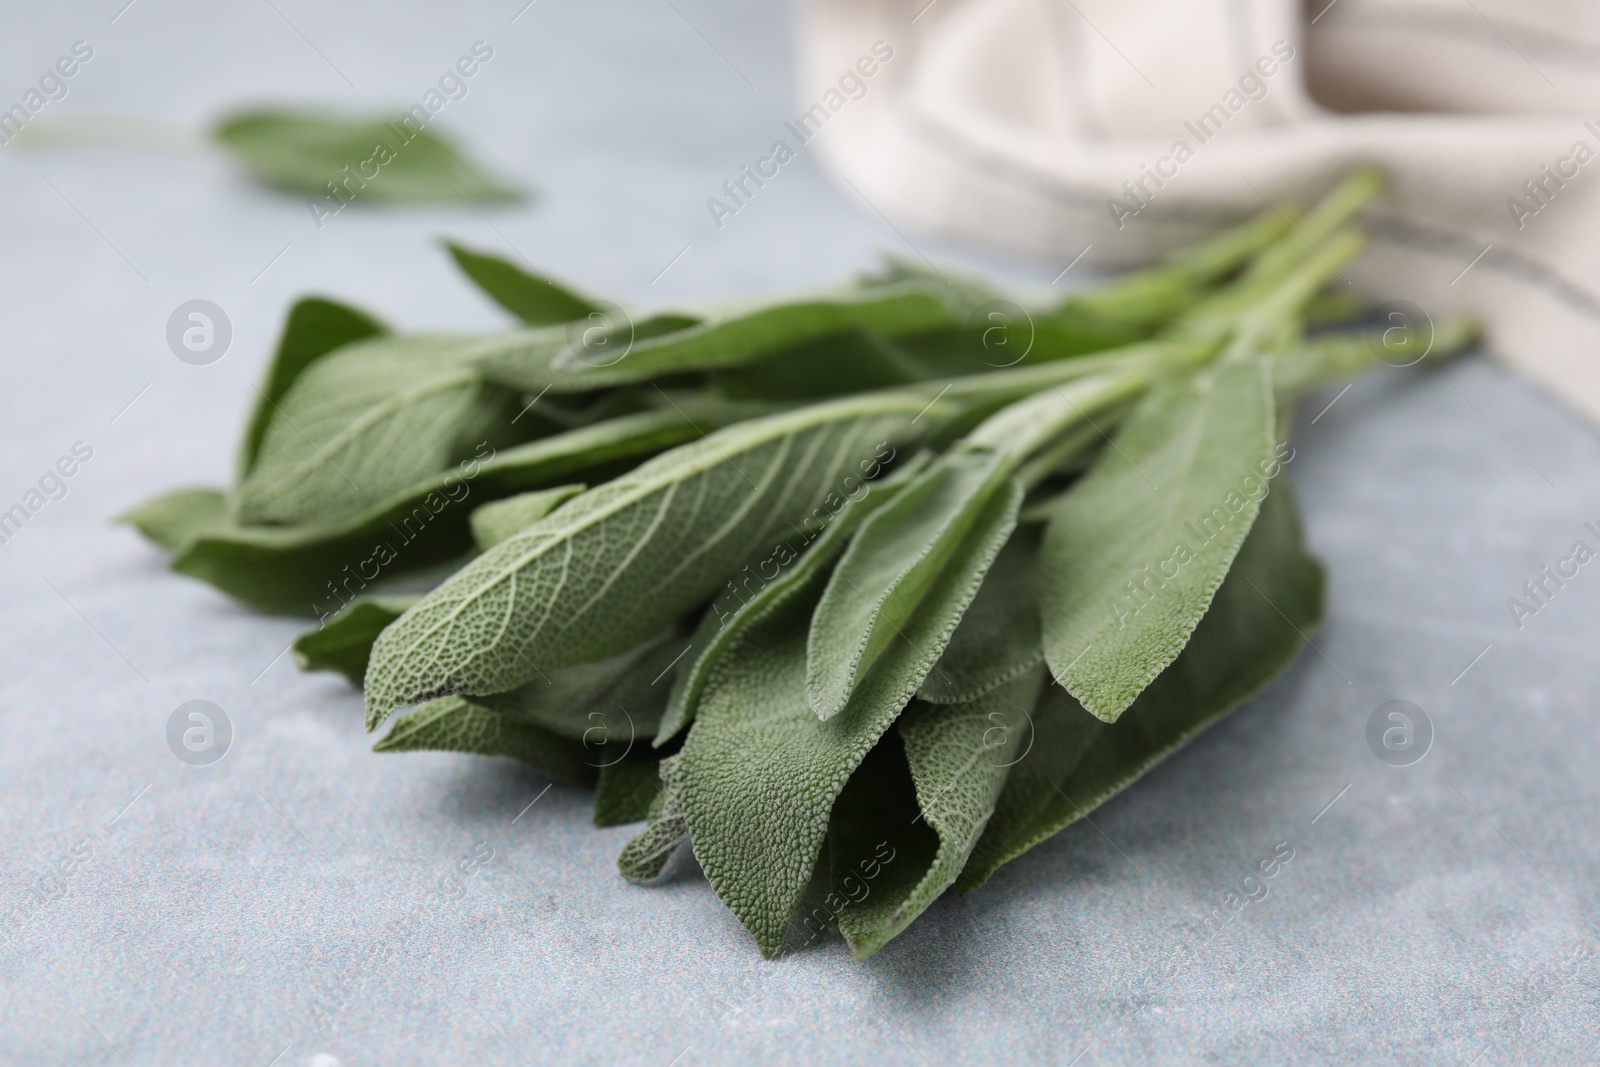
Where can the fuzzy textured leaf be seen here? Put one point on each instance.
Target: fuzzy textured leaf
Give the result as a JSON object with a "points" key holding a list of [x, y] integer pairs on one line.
{"points": [[743, 598], [887, 571], [644, 857], [879, 844], [617, 564], [499, 519], [315, 327], [627, 789], [901, 550], [1273, 594], [835, 365], [761, 772], [344, 642], [998, 638], [959, 756], [614, 701], [456, 725], [622, 353], [370, 421], [293, 570], [1136, 550]]}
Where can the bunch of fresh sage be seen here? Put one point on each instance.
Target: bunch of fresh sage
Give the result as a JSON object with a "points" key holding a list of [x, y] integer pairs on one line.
{"points": [[864, 593]]}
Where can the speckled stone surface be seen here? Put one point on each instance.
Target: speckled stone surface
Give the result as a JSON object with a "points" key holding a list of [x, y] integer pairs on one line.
{"points": [[1437, 913]]}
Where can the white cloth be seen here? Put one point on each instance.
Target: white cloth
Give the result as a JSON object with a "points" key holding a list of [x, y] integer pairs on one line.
{"points": [[1018, 123]]}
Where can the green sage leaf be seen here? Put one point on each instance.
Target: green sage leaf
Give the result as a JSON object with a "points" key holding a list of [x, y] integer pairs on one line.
{"points": [[644, 857], [761, 772], [619, 563], [499, 519], [365, 423], [315, 327], [959, 756], [888, 570], [903, 549], [627, 789], [616, 701], [821, 536], [999, 637], [836, 365], [533, 298], [1254, 629], [456, 725], [314, 570], [173, 519], [344, 642], [342, 159], [623, 352], [1137, 549], [879, 844]]}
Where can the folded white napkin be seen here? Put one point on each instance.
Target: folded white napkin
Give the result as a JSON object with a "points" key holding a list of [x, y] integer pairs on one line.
{"points": [[1119, 129]]}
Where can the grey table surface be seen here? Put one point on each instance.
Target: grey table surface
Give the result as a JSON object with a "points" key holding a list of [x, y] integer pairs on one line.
{"points": [[1436, 913]]}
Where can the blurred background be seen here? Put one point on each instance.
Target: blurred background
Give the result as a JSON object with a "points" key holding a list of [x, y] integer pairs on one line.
{"points": [[169, 914]]}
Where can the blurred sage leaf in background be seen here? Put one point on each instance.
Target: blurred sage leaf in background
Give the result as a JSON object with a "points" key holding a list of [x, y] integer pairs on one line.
{"points": [[345, 159]]}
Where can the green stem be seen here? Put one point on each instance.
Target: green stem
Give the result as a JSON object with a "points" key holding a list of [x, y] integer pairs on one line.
{"points": [[1257, 313], [1330, 215], [1333, 356], [1149, 357], [1331, 307], [1029, 425], [116, 131], [1149, 297], [1072, 445]]}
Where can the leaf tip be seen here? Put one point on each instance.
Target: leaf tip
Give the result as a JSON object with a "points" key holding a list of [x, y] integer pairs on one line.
{"points": [[378, 710], [825, 703]]}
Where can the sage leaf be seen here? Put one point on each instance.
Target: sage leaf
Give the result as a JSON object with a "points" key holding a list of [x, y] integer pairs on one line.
{"points": [[334, 157], [315, 569], [644, 857], [1137, 549], [366, 423], [958, 756], [533, 298], [879, 844], [173, 519], [616, 701], [836, 365], [1272, 597], [618, 563], [964, 291], [315, 327], [456, 725], [622, 352], [1149, 297], [890, 566], [822, 536], [1007, 336], [761, 772], [344, 642], [903, 549], [999, 637], [499, 519], [627, 789], [993, 331]]}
